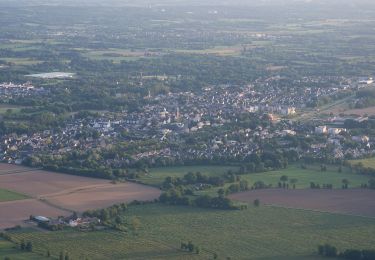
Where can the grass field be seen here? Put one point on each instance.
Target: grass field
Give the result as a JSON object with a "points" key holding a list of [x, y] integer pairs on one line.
{"points": [[370, 162], [311, 174], [156, 176], [13, 109], [6, 195], [256, 233], [304, 177], [7, 249], [20, 61]]}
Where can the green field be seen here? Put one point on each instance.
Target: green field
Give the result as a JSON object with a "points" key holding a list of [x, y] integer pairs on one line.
{"points": [[156, 176], [6, 195], [7, 249], [311, 174], [256, 233], [370, 162]]}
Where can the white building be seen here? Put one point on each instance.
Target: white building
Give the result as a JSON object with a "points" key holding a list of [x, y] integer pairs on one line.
{"points": [[321, 129]]}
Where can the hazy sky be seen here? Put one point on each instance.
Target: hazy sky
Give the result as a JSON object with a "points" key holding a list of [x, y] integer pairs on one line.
{"points": [[184, 2]]}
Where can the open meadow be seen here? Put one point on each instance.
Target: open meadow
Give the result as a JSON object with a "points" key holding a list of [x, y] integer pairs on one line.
{"points": [[256, 233]]}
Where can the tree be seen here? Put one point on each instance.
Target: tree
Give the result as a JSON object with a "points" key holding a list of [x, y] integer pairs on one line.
{"points": [[136, 224], [284, 179], [23, 245], [29, 246], [293, 182], [345, 183], [221, 193]]}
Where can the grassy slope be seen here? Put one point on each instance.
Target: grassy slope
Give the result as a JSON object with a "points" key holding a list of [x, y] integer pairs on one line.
{"points": [[6, 195], [256, 233], [158, 175]]}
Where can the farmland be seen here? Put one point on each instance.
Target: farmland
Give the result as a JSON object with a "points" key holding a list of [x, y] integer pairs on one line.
{"points": [[7, 249], [354, 201], [6, 195], [53, 194], [255, 233]]}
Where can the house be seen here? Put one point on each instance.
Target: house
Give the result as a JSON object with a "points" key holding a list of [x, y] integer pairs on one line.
{"points": [[336, 131], [361, 139], [321, 129], [288, 111]]}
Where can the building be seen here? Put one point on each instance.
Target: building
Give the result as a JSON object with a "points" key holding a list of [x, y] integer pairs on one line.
{"points": [[288, 111], [336, 131], [321, 129], [366, 81], [40, 219]]}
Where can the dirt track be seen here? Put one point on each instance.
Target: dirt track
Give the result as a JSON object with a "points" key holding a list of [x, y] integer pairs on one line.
{"points": [[353, 201]]}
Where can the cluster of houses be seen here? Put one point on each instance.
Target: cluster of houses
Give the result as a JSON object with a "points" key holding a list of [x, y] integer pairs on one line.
{"points": [[172, 118], [62, 222], [11, 90]]}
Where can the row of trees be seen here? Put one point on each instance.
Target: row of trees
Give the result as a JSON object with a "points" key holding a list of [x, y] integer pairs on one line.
{"points": [[176, 197], [328, 250]]}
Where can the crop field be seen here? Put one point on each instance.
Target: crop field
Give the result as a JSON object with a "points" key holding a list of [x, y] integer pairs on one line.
{"points": [[156, 176], [370, 162], [53, 194], [6, 195], [7, 249], [354, 201], [256, 233]]}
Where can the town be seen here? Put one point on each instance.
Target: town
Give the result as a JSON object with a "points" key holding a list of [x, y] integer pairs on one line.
{"points": [[169, 127]]}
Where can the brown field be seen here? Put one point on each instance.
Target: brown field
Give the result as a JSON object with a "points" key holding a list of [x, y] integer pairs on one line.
{"points": [[6, 168], [15, 212], [56, 194], [38, 182], [353, 201], [103, 196], [370, 111]]}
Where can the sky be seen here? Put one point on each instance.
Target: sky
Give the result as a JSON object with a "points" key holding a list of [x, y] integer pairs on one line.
{"points": [[339, 3]]}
